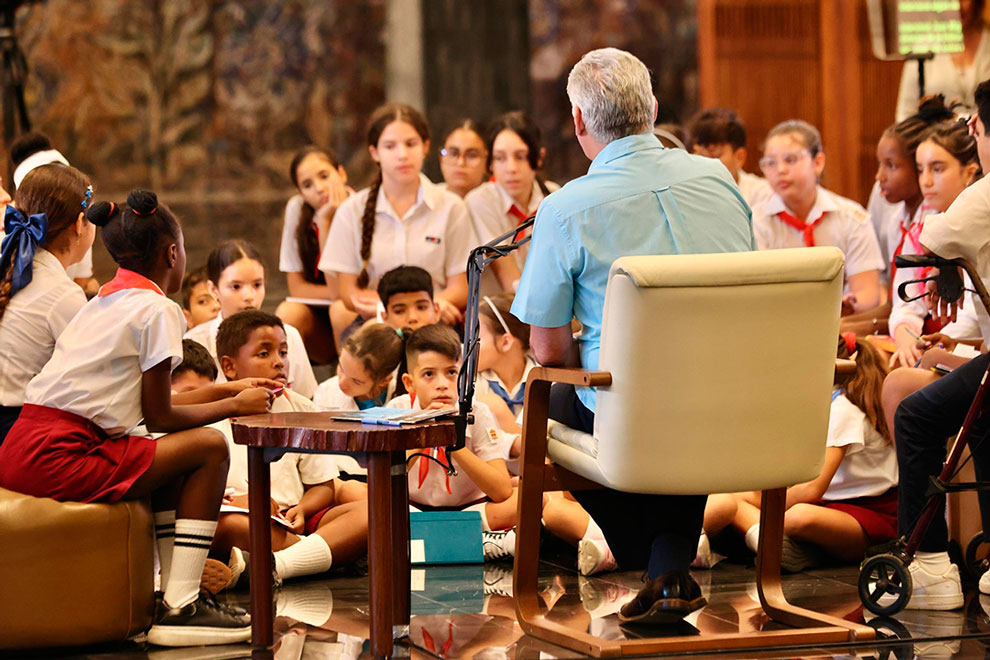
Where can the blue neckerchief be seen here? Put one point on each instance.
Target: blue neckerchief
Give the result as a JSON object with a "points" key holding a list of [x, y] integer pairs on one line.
{"points": [[509, 401], [836, 394], [20, 244], [372, 403]]}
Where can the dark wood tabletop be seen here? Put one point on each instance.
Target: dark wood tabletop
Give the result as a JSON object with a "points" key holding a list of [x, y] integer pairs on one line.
{"points": [[316, 431]]}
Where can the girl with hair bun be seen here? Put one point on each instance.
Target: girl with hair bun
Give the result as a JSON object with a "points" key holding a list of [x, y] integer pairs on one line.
{"points": [[47, 231], [463, 158], [403, 219], [110, 370]]}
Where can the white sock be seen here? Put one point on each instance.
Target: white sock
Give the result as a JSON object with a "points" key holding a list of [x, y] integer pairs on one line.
{"points": [[164, 536], [593, 531], [935, 563], [753, 537], [192, 544], [310, 606], [308, 557]]}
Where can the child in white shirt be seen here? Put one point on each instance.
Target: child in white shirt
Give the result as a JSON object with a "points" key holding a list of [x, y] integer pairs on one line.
{"points": [[432, 355], [801, 213], [237, 280], [852, 504], [252, 344], [110, 370], [49, 232]]}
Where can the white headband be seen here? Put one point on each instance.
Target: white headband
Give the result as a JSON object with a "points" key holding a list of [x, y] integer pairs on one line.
{"points": [[664, 133], [497, 315], [37, 159]]}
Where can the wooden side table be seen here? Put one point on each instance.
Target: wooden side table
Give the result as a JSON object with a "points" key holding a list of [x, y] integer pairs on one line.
{"points": [[269, 437]]}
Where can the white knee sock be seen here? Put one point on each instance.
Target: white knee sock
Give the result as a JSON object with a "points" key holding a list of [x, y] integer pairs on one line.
{"points": [[312, 605], [309, 556], [753, 537], [192, 544], [164, 536], [593, 531]]}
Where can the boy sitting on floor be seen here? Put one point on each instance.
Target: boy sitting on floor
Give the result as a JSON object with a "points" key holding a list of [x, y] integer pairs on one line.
{"points": [[252, 344]]}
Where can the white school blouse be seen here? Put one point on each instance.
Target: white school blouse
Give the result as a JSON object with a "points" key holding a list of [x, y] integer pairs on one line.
{"points": [[870, 465], [846, 226], [435, 234], [76, 271], [34, 319], [289, 260], [290, 474], [482, 385], [483, 439], [301, 376], [754, 189], [96, 369], [904, 226], [963, 230]]}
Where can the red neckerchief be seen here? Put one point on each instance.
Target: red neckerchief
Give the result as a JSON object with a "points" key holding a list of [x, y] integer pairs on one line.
{"points": [[128, 279], [914, 234], [521, 217], [808, 230], [424, 462]]}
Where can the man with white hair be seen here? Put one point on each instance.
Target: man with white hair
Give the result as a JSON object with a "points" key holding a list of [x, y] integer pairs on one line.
{"points": [[637, 198]]}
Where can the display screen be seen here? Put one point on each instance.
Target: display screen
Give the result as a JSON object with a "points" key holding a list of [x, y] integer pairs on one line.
{"points": [[911, 27]]}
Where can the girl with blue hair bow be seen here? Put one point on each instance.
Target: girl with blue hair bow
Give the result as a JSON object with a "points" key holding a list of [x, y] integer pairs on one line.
{"points": [[46, 230]]}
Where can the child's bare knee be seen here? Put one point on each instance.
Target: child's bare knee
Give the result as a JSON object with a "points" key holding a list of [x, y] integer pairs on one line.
{"points": [[213, 446]]}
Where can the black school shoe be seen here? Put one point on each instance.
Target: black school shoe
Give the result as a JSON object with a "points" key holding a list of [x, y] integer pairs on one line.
{"points": [[665, 599], [201, 622]]}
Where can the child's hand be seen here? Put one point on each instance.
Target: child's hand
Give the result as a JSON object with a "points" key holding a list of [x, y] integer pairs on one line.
{"points": [[296, 519], [365, 303], [939, 340], [235, 387], [848, 304], [449, 313], [253, 401], [908, 349], [440, 405]]}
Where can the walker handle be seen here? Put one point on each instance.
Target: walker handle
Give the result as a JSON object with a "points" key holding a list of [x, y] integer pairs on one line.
{"points": [[948, 280]]}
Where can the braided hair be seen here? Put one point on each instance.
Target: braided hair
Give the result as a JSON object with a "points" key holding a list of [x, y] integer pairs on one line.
{"points": [[381, 118]]}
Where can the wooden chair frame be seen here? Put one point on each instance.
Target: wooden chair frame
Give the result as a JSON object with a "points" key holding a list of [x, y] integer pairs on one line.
{"points": [[809, 627]]}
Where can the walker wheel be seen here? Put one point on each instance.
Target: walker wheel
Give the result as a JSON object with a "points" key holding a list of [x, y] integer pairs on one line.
{"points": [[889, 630], [977, 555], [884, 575]]}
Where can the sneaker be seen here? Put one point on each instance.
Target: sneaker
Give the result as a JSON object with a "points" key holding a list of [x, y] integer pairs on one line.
{"points": [[216, 576], [796, 556], [498, 581], [705, 557], [499, 545], [202, 622], [985, 583], [594, 556], [931, 591]]}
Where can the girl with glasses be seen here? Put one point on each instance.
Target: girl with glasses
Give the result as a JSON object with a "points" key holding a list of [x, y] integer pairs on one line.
{"points": [[801, 213], [463, 158]]}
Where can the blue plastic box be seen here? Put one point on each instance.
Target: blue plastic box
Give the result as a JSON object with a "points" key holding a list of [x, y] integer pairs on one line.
{"points": [[445, 537]]}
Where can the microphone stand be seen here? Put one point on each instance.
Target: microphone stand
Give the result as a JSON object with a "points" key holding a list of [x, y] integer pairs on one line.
{"points": [[481, 257]]}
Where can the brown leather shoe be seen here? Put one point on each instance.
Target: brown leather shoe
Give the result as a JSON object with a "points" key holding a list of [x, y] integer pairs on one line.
{"points": [[667, 598]]}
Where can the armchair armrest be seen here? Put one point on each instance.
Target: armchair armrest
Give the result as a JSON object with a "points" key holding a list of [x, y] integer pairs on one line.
{"points": [[570, 376]]}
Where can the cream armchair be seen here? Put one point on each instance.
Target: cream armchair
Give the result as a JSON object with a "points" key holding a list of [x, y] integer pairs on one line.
{"points": [[715, 376]]}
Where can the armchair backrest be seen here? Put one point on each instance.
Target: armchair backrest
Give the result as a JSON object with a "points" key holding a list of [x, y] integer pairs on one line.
{"points": [[722, 367]]}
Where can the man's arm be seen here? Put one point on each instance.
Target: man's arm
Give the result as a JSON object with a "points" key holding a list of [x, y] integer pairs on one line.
{"points": [[554, 347]]}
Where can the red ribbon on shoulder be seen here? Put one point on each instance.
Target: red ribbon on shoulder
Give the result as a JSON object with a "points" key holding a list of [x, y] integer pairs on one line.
{"points": [[437, 452], [128, 279]]}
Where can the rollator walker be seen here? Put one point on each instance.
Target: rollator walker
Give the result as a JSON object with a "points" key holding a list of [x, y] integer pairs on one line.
{"points": [[886, 573]]}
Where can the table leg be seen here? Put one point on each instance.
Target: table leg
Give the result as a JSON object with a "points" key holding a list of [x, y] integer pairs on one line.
{"points": [[259, 498], [400, 540], [380, 552]]}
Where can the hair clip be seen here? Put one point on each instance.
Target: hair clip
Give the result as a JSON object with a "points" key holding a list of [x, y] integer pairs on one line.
{"points": [[850, 339], [89, 196], [151, 212]]}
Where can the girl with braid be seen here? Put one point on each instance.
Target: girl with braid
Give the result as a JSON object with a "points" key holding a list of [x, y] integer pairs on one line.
{"points": [[47, 231], [402, 219]]}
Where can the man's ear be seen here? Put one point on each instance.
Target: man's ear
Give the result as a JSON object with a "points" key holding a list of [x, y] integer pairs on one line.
{"points": [[227, 367], [579, 127], [656, 109]]}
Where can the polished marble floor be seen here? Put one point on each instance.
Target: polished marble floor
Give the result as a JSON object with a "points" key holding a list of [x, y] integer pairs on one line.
{"points": [[466, 612]]}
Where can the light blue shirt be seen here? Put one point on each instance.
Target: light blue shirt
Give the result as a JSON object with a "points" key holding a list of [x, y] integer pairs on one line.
{"points": [[637, 198]]}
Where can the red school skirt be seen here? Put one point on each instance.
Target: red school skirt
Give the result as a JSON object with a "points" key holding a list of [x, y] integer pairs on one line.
{"points": [[877, 515], [58, 454]]}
